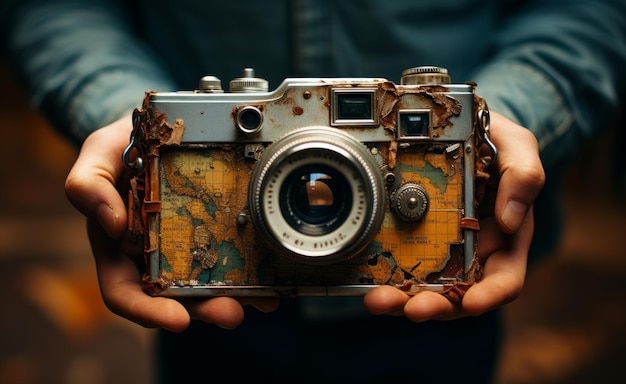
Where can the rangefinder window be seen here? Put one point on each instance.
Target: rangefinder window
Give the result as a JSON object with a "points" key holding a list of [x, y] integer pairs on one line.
{"points": [[414, 124], [353, 107]]}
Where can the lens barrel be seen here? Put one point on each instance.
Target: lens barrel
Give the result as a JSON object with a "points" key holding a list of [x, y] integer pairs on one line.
{"points": [[317, 196]]}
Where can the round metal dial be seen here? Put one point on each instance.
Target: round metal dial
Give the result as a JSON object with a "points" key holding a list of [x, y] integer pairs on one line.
{"points": [[410, 202], [248, 83], [425, 75]]}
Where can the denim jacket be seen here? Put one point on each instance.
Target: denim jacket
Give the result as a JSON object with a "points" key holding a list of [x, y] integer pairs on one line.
{"points": [[554, 66]]}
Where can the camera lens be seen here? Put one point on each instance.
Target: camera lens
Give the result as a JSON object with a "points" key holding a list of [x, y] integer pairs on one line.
{"points": [[315, 200], [317, 196]]}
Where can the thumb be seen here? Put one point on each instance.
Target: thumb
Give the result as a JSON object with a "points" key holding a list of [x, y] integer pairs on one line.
{"points": [[91, 183], [521, 174]]}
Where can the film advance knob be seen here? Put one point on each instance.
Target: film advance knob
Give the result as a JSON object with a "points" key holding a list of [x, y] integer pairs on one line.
{"points": [[410, 202]]}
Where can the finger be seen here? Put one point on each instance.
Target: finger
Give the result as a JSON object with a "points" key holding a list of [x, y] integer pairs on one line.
{"points": [[225, 312], [431, 306], [121, 291], [504, 272], [520, 170], [91, 183], [490, 239], [504, 275], [385, 300], [263, 304]]}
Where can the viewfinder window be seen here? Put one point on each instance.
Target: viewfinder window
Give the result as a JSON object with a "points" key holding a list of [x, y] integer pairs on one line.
{"points": [[353, 107], [414, 124]]}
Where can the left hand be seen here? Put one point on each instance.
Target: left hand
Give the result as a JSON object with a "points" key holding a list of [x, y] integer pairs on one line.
{"points": [[503, 242], [94, 186]]}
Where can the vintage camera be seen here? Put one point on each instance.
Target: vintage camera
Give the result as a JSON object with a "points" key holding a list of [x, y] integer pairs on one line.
{"points": [[324, 186]]}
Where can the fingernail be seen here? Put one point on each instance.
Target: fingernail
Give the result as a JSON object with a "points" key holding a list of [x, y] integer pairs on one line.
{"points": [[513, 214], [107, 218]]}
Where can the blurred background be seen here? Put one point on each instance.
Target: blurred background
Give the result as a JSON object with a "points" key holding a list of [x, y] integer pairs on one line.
{"points": [[568, 326]]}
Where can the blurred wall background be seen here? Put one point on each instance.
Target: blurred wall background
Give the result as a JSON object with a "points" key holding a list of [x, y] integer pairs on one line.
{"points": [[54, 327], [568, 326]]}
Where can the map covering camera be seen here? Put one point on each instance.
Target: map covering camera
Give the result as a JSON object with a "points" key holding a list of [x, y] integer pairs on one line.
{"points": [[324, 186]]}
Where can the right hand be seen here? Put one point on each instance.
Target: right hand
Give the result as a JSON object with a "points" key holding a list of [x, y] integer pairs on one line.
{"points": [[503, 242], [93, 186]]}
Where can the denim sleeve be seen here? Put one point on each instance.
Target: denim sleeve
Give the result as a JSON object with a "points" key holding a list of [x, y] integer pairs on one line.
{"points": [[558, 69], [81, 61]]}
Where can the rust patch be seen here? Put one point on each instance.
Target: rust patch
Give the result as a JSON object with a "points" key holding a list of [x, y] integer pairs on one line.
{"points": [[156, 132], [434, 88], [173, 135], [470, 223], [205, 256], [482, 177], [456, 291], [135, 197], [475, 272], [389, 97], [202, 251], [453, 269], [393, 152], [146, 99], [153, 286], [155, 127], [297, 110], [443, 105], [406, 285]]}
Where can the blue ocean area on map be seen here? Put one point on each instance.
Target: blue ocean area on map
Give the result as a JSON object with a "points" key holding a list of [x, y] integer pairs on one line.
{"points": [[436, 175], [230, 259]]}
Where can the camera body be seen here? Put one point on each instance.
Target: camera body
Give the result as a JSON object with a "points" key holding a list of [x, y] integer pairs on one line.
{"points": [[324, 186]]}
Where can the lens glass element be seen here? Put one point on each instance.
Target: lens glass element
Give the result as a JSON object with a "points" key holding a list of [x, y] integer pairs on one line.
{"points": [[315, 199]]}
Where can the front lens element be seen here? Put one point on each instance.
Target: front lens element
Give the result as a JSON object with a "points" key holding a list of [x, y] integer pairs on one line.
{"points": [[315, 200]]}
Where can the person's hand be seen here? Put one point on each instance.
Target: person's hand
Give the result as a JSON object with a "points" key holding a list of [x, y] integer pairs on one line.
{"points": [[503, 241], [93, 186]]}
